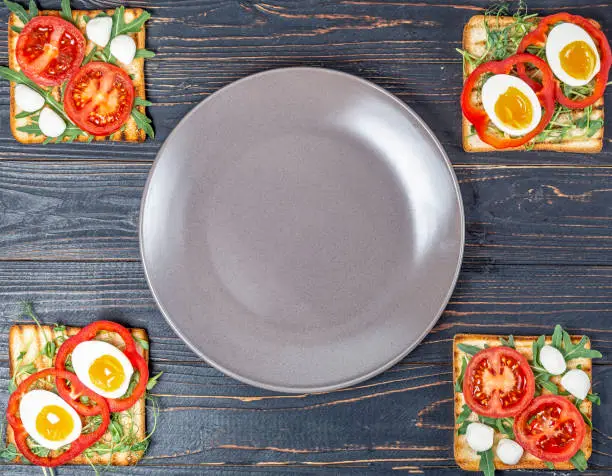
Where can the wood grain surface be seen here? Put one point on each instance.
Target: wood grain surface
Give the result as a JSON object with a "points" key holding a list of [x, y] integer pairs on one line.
{"points": [[538, 239]]}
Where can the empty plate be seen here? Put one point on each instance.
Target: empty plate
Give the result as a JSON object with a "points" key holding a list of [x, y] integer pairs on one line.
{"points": [[301, 229]]}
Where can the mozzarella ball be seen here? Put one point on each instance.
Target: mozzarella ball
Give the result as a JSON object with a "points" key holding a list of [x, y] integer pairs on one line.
{"points": [[50, 123], [552, 360], [48, 419], [577, 383], [511, 104], [509, 451], [99, 30], [480, 436], [572, 54], [27, 99], [102, 367], [123, 47]]}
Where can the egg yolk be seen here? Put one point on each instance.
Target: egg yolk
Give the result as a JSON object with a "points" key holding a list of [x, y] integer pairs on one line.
{"points": [[54, 423], [106, 373], [578, 59], [513, 108]]}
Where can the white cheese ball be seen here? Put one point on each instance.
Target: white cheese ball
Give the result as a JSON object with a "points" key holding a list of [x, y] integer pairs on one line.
{"points": [[552, 360], [509, 451], [27, 99], [99, 30], [480, 436], [50, 123], [123, 47], [577, 383]]}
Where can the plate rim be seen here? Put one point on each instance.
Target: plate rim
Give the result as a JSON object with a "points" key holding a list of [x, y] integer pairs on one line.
{"points": [[355, 380]]}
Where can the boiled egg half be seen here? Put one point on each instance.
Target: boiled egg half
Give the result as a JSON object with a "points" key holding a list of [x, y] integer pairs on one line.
{"points": [[102, 367], [511, 104], [48, 419], [571, 54]]}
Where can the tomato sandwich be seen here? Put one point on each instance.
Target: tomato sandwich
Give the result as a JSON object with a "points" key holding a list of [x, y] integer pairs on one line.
{"points": [[523, 402], [77, 75]]}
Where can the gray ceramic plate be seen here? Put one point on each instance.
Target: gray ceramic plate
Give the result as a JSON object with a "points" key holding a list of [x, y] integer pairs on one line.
{"points": [[302, 229]]}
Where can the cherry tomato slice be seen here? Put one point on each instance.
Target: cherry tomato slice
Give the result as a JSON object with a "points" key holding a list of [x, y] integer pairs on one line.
{"points": [[498, 382], [99, 98], [50, 50], [551, 428]]}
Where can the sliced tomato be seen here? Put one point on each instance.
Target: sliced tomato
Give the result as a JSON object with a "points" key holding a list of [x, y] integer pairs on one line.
{"points": [[551, 428], [498, 382], [50, 50], [99, 98]]}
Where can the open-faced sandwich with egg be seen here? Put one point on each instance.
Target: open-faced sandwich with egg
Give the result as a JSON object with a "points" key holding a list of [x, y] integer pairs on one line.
{"points": [[533, 82], [523, 402], [77, 75], [77, 395]]}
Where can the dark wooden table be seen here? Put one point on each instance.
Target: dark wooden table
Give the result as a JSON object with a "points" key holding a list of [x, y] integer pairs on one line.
{"points": [[538, 251]]}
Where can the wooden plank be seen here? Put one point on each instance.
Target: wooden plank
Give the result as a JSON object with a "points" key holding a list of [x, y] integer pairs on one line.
{"points": [[518, 215], [402, 46], [488, 299]]}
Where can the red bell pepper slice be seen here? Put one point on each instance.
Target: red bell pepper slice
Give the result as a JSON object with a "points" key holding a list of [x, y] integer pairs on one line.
{"points": [[77, 446], [89, 332], [480, 119], [538, 37]]}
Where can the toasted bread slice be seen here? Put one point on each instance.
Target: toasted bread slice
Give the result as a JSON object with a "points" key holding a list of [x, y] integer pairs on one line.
{"points": [[131, 132], [30, 339], [474, 42], [465, 456]]}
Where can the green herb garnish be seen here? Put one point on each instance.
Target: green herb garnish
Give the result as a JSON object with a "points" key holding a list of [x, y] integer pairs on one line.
{"points": [[579, 461], [469, 349], [459, 382], [486, 465]]}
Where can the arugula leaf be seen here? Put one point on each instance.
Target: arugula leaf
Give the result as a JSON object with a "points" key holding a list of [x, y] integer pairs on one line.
{"points": [[586, 419], [571, 351], [594, 398], [509, 342], [18, 10], [144, 123], [153, 381], [549, 465], [557, 337], [144, 53], [486, 465], [89, 55], [550, 386], [138, 101], [122, 28], [462, 419], [459, 382], [66, 12], [579, 461], [33, 9], [502, 425], [16, 29], [21, 355], [469, 349]]}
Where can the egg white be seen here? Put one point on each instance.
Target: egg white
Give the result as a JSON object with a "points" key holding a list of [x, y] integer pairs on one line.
{"points": [[559, 37], [32, 404], [84, 355], [497, 85]]}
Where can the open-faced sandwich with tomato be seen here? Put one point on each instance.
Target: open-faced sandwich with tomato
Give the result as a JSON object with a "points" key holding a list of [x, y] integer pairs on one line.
{"points": [[523, 402], [77, 395], [77, 75], [533, 82]]}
